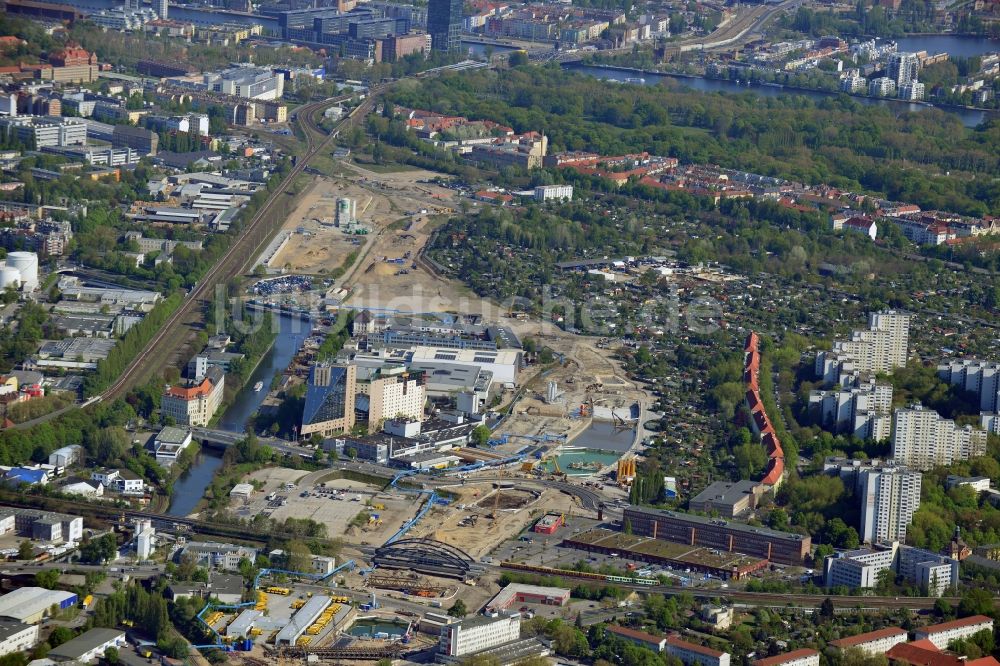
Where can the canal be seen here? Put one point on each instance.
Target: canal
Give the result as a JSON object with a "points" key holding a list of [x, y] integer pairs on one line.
{"points": [[189, 489], [969, 117]]}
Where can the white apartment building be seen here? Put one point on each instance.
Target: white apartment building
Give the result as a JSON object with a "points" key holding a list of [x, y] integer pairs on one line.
{"points": [[553, 192], [913, 91], [990, 422], [883, 86], [921, 439], [881, 348], [801, 657], [17, 636], [479, 633], [692, 653], [975, 376], [902, 67], [946, 632], [873, 642], [862, 411], [889, 498], [859, 569]]}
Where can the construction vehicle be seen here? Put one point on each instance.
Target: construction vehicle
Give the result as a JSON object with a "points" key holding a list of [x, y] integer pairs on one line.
{"points": [[297, 604], [378, 507], [283, 591]]}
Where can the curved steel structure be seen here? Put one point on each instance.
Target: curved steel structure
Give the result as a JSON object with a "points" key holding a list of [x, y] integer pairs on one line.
{"points": [[425, 556]]}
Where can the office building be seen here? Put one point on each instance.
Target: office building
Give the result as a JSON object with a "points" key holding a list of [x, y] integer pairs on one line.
{"points": [[692, 653], [922, 439], [169, 443], [139, 139], [219, 555], [728, 499], [800, 657], [872, 642], [554, 192], [195, 401], [227, 588], [975, 376], [519, 593], [879, 349], [903, 67], [863, 411], [330, 399], [941, 635], [476, 634], [17, 637], [444, 23], [390, 392], [46, 525], [729, 536], [246, 82], [42, 131], [859, 569], [889, 498]]}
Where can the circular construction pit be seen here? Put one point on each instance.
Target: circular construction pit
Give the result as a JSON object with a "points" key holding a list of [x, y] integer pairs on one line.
{"points": [[507, 499]]}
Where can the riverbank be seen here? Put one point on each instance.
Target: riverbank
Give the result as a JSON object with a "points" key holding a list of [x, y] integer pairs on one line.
{"points": [[969, 116]]}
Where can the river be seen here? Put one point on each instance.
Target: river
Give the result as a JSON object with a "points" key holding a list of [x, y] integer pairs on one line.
{"points": [[190, 488], [963, 46], [969, 117]]}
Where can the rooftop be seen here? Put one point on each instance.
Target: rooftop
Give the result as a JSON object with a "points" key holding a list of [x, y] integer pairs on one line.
{"points": [[84, 643], [678, 642], [860, 639], [634, 635], [779, 659], [970, 621], [738, 527]]}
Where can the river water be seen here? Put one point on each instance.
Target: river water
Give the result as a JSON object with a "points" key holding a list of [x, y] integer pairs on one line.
{"points": [[189, 489], [963, 46], [969, 118]]}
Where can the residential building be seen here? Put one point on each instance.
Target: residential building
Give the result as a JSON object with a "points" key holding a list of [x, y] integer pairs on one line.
{"points": [[444, 23], [519, 593], [42, 131], [902, 68], [476, 634], [719, 617], [692, 653], [17, 637], [975, 376], [195, 402], [640, 638], [390, 392], [879, 349], [330, 399], [946, 632], [923, 439], [730, 536], [889, 498], [882, 86], [728, 498], [913, 91], [162, 8], [800, 657], [859, 569], [862, 411], [88, 647], [227, 588], [554, 192], [872, 642]]}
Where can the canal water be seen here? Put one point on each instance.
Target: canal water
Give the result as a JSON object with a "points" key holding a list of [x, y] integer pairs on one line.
{"points": [[189, 489], [969, 117], [372, 626]]}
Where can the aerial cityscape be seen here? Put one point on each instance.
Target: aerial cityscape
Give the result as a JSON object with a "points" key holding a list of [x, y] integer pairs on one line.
{"points": [[485, 333]]}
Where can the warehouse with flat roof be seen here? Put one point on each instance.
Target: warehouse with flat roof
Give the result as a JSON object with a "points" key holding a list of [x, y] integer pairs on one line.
{"points": [[31, 604], [301, 620]]}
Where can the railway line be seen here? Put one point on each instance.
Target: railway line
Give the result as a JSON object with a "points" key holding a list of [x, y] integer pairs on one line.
{"points": [[254, 236]]}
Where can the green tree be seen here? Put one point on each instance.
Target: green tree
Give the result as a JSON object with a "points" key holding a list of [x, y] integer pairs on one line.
{"points": [[976, 601], [47, 578], [25, 551], [111, 654], [480, 435], [458, 609]]}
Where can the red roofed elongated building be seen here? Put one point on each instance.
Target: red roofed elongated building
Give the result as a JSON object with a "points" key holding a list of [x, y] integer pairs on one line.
{"points": [[760, 422], [873, 642], [692, 653], [640, 638], [946, 632], [803, 657]]}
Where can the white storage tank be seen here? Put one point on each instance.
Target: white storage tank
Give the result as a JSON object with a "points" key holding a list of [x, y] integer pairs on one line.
{"points": [[27, 264], [9, 277]]}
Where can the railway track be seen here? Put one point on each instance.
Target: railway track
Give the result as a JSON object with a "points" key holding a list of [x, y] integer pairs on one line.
{"points": [[253, 238]]}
